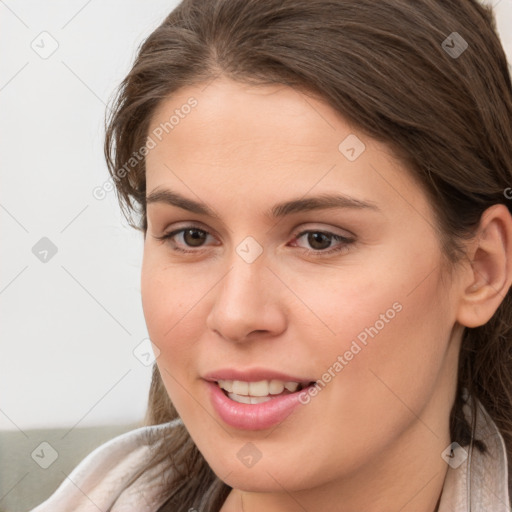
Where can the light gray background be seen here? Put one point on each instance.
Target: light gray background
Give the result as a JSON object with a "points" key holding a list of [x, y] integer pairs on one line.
{"points": [[70, 324]]}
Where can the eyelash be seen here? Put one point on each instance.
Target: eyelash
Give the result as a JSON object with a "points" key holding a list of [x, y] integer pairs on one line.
{"points": [[346, 241]]}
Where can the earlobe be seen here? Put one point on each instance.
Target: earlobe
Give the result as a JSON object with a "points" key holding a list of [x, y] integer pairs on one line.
{"points": [[489, 276]]}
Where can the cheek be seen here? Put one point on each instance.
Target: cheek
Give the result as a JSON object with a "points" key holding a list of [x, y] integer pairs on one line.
{"points": [[390, 315], [392, 332], [169, 293], [165, 301], [174, 304]]}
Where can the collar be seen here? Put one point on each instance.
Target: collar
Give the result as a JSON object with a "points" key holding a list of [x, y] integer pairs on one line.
{"points": [[475, 481]]}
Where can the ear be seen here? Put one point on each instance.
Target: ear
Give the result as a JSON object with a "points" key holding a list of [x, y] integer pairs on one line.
{"points": [[488, 277]]}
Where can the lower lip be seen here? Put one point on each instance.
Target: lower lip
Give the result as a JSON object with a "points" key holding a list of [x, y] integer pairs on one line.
{"points": [[252, 416]]}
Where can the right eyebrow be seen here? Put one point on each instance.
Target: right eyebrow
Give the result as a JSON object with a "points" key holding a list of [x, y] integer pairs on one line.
{"points": [[174, 199]]}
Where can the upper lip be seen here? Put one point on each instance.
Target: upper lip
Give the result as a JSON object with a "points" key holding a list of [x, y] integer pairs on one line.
{"points": [[253, 375]]}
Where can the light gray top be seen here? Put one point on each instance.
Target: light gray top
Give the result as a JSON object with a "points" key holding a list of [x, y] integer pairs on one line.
{"points": [[110, 477]]}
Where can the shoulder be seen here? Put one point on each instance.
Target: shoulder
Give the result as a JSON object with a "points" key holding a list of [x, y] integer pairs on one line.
{"points": [[113, 477]]}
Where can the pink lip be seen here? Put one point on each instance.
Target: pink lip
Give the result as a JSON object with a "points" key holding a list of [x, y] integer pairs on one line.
{"points": [[252, 416], [253, 375]]}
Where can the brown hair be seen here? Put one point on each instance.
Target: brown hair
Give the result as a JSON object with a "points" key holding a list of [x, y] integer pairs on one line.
{"points": [[385, 67]]}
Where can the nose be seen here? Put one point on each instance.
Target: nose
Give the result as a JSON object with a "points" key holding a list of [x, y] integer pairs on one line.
{"points": [[248, 302]]}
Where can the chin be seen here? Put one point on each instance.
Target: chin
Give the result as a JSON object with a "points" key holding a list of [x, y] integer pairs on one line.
{"points": [[262, 477]]}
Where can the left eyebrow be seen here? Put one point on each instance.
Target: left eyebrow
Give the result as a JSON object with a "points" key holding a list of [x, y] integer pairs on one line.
{"points": [[321, 202], [305, 204]]}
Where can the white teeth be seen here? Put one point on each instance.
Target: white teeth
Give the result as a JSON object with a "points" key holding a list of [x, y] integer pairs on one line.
{"points": [[258, 388], [240, 387], [249, 399], [291, 386], [262, 388], [227, 385], [240, 399], [276, 387]]}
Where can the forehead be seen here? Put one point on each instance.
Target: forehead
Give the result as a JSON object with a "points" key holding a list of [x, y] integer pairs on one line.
{"points": [[230, 116], [264, 140]]}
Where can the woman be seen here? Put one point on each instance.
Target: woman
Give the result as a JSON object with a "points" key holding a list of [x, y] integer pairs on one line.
{"points": [[322, 187]]}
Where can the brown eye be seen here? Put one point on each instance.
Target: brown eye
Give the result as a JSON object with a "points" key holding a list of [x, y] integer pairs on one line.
{"points": [[318, 240], [194, 237], [321, 241]]}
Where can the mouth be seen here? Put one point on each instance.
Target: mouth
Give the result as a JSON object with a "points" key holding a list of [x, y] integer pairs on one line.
{"points": [[256, 405], [260, 391]]}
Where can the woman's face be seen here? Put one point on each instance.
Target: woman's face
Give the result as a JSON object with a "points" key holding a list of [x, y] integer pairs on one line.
{"points": [[268, 288]]}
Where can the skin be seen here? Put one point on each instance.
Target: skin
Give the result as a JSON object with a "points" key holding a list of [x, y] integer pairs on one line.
{"points": [[372, 438]]}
